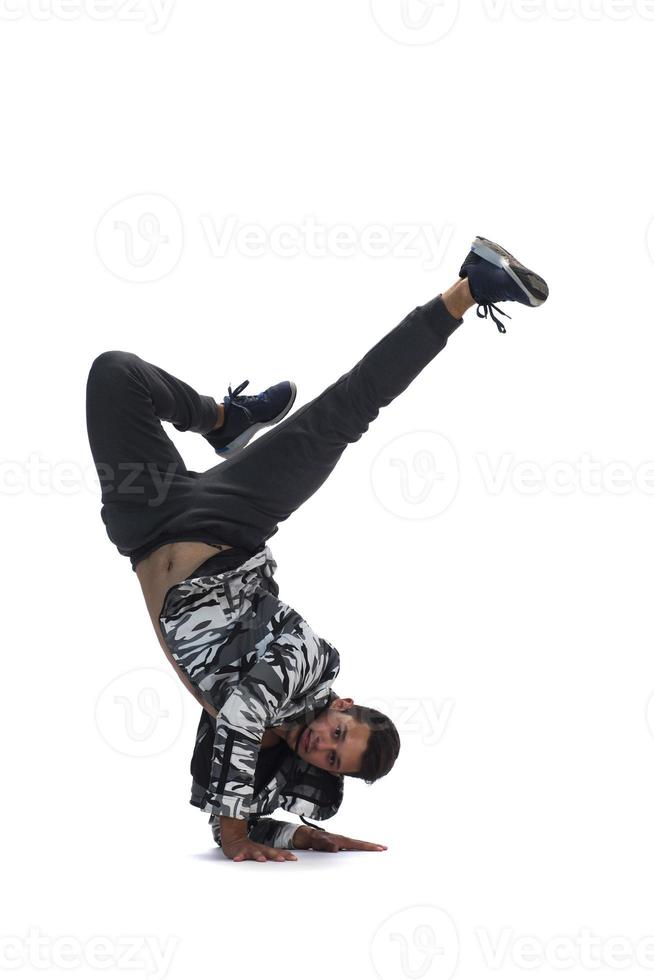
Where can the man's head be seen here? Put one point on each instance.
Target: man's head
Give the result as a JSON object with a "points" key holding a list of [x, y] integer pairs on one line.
{"points": [[350, 740]]}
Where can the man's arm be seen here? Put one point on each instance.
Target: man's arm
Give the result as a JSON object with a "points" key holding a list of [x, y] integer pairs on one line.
{"points": [[290, 666], [300, 837]]}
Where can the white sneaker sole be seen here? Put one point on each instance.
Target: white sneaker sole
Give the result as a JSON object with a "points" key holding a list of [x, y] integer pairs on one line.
{"points": [[498, 256]]}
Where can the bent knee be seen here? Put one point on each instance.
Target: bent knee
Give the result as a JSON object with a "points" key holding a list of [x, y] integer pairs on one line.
{"points": [[112, 362]]}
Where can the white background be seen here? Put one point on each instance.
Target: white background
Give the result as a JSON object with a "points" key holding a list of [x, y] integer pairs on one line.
{"points": [[519, 615]]}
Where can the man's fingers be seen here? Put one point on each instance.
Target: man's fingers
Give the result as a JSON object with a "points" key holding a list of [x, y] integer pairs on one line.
{"points": [[350, 844], [264, 854], [279, 855]]}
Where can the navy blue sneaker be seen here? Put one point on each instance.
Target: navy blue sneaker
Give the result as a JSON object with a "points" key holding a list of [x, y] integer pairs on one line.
{"points": [[495, 276], [246, 414]]}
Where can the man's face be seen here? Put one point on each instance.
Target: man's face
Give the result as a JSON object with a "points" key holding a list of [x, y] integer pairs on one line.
{"points": [[334, 741]]}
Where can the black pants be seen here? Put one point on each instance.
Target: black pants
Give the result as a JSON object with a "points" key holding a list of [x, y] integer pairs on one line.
{"points": [[150, 498]]}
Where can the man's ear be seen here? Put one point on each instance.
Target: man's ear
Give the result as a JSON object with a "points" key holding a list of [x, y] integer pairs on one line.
{"points": [[341, 704]]}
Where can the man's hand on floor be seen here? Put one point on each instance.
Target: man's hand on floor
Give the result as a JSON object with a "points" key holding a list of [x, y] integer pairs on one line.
{"points": [[237, 846], [246, 850], [308, 838]]}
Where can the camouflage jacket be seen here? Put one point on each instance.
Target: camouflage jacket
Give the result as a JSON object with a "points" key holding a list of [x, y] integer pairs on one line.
{"points": [[287, 782], [256, 661]]}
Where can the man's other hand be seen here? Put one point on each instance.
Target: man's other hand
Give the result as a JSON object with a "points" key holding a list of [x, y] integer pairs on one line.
{"points": [[309, 838]]}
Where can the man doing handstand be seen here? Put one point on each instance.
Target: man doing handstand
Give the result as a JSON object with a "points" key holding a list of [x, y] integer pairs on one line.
{"points": [[272, 733]]}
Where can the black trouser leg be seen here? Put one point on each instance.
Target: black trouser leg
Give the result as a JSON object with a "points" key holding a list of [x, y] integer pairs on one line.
{"points": [[144, 481], [269, 479], [242, 500]]}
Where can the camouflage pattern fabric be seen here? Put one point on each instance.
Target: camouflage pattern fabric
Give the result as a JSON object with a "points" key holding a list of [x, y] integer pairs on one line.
{"points": [[295, 786], [256, 661], [269, 832]]}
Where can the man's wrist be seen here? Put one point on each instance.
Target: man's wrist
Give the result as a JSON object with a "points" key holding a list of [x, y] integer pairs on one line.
{"points": [[303, 836], [232, 829]]}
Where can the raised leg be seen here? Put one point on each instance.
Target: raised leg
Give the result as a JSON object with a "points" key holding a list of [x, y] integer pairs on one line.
{"points": [[274, 475]]}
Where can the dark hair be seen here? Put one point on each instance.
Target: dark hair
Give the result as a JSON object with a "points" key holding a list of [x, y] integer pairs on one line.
{"points": [[383, 743]]}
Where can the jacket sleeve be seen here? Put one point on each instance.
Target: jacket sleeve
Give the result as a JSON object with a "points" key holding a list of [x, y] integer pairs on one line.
{"points": [[273, 833], [263, 830], [290, 667]]}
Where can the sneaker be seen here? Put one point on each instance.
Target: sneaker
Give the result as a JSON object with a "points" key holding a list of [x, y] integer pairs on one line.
{"points": [[495, 276], [246, 414]]}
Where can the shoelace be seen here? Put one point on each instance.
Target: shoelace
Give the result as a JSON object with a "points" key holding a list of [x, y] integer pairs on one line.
{"points": [[488, 309], [237, 398]]}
